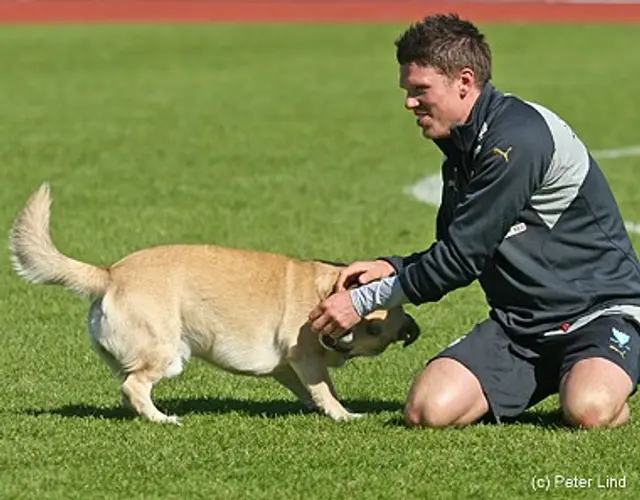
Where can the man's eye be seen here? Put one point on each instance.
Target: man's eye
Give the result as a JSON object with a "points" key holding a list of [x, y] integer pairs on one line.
{"points": [[417, 92]]}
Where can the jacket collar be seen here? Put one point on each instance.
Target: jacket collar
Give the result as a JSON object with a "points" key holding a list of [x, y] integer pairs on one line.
{"points": [[463, 136]]}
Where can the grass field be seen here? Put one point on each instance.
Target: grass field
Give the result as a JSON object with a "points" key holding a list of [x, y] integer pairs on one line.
{"points": [[280, 138]]}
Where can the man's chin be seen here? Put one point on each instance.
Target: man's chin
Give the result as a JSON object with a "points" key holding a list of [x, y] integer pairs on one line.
{"points": [[428, 134], [433, 135]]}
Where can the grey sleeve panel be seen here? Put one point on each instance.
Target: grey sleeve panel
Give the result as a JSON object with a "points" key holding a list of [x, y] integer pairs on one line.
{"points": [[566, 174], [509, 168], [383, 294]]}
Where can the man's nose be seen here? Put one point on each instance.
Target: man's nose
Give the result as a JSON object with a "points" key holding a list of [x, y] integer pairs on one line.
{"points": [[411, 103]]}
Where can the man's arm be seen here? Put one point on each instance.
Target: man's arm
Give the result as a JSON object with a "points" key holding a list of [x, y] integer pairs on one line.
{"points": [[498, 192], [508, 171]]}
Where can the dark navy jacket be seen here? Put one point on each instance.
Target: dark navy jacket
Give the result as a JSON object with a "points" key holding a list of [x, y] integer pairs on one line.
{"points": [[527, 211]]}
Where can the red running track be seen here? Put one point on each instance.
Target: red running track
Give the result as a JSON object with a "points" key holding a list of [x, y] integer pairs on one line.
{"points": [[185, 11]]}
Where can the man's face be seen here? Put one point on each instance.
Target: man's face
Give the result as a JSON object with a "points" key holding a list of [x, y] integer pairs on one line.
{"points": [[438, 102]]}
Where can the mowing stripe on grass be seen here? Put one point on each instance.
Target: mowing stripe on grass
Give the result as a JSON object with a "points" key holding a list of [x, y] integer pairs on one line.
{"points": [[428, 189]]}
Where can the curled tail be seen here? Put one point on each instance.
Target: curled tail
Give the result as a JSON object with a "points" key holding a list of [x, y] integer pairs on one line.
{"points": [[36, 259]]}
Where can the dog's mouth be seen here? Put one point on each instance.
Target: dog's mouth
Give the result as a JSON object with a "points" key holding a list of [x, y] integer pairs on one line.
{"points": [[339, 344]]}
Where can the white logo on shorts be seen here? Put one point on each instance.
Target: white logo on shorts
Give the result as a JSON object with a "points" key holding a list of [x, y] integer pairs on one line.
{"points": [[456, 341], [521, 227]]}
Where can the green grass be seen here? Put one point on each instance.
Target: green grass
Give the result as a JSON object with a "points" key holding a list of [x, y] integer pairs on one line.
{"points": [[285, 139]]}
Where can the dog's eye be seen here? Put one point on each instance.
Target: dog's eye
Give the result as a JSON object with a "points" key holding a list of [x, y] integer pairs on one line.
{"points": [[374, 330]]}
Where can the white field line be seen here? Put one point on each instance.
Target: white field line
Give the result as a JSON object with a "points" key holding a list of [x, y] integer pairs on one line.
{"points": [[612, 154], [428, 189]]}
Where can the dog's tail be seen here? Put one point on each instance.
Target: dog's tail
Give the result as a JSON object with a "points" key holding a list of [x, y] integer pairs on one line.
{"points": [[36, 259]]}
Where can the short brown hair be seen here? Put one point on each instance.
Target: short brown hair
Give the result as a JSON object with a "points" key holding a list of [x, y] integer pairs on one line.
{"points": [[448, 44]]}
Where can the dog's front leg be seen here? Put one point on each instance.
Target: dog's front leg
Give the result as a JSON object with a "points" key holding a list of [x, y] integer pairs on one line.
{"points": [[314, 374], [288, 378]]}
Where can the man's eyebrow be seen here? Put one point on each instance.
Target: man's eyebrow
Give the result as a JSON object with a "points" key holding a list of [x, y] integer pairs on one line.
{"points": [[419, 86]]}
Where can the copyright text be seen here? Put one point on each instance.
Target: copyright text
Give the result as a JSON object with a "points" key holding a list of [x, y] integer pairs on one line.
{"points": [[548, 482]]}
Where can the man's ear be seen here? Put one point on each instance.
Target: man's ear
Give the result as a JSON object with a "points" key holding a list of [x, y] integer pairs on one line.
{"points": [[467, 81]]}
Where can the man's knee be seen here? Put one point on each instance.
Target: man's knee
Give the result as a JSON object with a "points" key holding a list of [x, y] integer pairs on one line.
{"points": [[592, 410], [430, 411], [594, 394], [445, 394]]}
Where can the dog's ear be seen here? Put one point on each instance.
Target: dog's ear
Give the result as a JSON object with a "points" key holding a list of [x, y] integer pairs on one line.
{"points": [[410, 333], [326, 283]]}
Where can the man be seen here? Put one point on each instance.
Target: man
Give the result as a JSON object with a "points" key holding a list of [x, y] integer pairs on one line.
{"points": [[526, 211]]}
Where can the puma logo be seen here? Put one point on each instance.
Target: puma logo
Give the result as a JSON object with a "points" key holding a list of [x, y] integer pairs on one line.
{"points": [[622, 353], [504, 154]]}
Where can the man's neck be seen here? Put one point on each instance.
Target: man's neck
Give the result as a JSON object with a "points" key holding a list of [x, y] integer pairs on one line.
{"points": [[471, 100]]}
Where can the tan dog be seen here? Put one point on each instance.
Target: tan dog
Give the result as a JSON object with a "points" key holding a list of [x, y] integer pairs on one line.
{"points": [[244, 311]]}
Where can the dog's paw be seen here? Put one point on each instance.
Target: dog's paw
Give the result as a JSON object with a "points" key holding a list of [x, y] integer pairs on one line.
{"points": [[172, 419], [354, 416], [343, 417]]}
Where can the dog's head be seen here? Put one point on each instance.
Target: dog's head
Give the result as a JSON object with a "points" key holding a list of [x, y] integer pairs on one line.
{"points": [[374, 333]]}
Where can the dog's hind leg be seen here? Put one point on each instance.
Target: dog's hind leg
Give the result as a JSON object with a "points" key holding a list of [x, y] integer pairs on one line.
{"points": [[141, 345]]}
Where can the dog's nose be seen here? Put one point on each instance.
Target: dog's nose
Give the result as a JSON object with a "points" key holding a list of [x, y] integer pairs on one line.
{"points": [[410, 332]]}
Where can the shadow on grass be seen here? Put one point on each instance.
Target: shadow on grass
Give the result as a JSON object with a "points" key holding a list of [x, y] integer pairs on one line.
{"points": [[543, 419], [552, 419], [279, 408], [212, 405]]}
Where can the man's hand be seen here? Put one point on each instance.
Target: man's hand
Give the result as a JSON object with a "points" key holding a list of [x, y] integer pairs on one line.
{"points": [[361, 273], [334, 315]]}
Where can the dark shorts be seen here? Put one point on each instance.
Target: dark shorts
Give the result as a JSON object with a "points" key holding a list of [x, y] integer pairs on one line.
{"points": [[517, 374]]}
